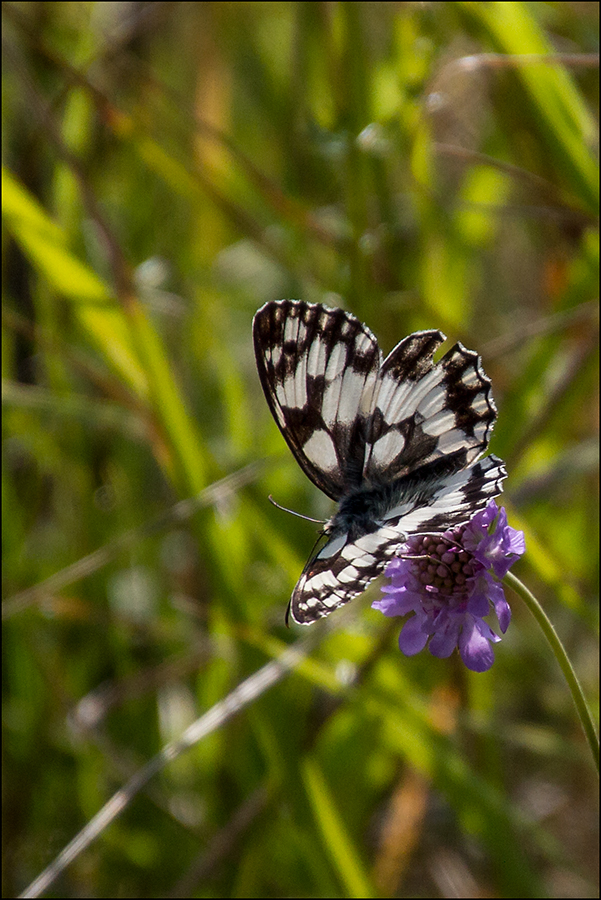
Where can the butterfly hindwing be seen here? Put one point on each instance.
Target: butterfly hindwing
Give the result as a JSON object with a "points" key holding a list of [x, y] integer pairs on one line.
{"points": [[344, 568], [396, 441]]}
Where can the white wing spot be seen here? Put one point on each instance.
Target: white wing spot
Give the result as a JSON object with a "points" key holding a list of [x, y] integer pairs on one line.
{"points": [[341, 399], [470, 377], [336, 363], [364, 560], [332, 546], [440, 422], [450, 441], [346, 328], [316, 359], [292, 392], [387, 448], [291, 330], [329, 404], [371, 543], [296, 390], [320, 449], [348, 575], [363, 344]]}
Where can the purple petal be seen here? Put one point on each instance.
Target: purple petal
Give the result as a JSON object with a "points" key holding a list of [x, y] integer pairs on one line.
{"points": [[478, 604], [502, 548], [475, 650], [477, 528], [445, 640], [397, 601], [412, 638], [486, 631], [513, 546], [500, 604], [517, 541], [388, 604], [396, 568]]}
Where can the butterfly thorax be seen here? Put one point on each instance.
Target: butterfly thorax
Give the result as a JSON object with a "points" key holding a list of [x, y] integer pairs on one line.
{"points": [[363, 509]]}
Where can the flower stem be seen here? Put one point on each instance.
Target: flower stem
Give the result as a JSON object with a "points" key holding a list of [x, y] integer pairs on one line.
{"points": [[563, 660]]}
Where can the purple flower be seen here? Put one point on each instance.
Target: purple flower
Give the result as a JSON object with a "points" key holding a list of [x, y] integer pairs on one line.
{"points": [[449, 582]]}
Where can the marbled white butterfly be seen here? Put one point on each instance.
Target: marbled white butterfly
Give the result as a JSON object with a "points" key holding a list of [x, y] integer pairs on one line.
{"points": [[396, 441]]}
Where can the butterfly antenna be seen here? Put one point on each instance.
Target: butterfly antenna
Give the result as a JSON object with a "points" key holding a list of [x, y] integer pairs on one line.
{"points": [[293, 513]]}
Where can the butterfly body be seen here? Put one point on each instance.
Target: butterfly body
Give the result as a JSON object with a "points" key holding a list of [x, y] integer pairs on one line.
{"points": [[396, 441]]}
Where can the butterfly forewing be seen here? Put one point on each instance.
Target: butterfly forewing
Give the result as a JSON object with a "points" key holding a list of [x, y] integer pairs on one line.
{"points": [[395, 441], [317, 366], [426, 411]]}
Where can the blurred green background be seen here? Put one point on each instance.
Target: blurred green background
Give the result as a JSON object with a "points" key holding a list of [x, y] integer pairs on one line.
{"points": [[168, 169]]}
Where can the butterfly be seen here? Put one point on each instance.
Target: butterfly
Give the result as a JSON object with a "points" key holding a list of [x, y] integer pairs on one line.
{"points": [[396, 442]]}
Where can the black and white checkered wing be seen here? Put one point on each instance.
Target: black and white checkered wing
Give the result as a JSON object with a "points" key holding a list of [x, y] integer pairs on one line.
{"points": [[319, 370], [397, 441], [425, 411]]}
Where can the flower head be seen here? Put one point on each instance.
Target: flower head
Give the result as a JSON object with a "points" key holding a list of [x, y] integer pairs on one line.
{"points": [[449, 582]]}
